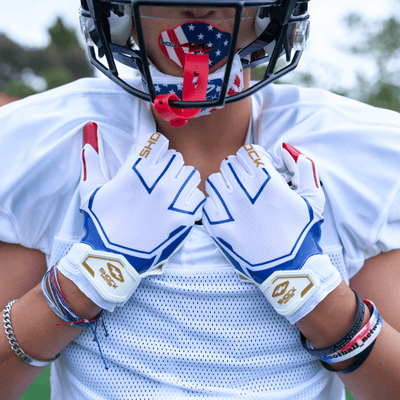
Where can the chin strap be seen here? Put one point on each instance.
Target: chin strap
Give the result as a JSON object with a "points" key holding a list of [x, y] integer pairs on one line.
{"points": [[195, 81]]}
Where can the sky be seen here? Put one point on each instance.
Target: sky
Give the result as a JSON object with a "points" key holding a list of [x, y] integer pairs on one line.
{"points": [[26, 22]]}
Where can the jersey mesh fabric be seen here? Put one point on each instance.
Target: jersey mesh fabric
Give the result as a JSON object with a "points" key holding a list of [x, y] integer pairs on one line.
{"points": [[194, 332]]}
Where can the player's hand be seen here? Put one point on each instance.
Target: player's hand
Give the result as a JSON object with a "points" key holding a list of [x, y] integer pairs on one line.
{"points": [[135, 221], [269, 232]]}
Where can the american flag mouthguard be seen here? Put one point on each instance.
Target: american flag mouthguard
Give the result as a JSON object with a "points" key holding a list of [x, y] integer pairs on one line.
{"points": [[195, 37], [196, 47]]}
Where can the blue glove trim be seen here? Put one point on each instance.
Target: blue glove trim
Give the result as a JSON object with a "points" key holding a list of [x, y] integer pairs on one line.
{"points": [[150, 189], [90, 204], [230, 219], [172, 208], [308, 248], [174, 245], [252, 199], [93, 238], [232, 260]]}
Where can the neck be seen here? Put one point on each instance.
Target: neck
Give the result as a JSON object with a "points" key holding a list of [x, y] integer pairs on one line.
{"points": [[205, 141]]}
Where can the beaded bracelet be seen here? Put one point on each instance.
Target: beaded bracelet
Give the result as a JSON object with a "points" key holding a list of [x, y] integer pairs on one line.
{"points": [[14, 344]]}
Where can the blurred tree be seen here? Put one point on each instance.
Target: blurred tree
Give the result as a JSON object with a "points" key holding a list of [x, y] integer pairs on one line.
{"points": [[25, 71], [381, 44], [371, 43]]}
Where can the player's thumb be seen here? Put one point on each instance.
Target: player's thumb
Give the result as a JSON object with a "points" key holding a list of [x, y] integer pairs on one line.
{"points": [[305, 176], [94, 167]]}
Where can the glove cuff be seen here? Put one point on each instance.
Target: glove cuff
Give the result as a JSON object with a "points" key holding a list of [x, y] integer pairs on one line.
{"points": [[105, 278], [294, 294]]}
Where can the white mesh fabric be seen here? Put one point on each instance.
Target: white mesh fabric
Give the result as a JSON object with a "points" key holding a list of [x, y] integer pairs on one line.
{"points": [[194, 332], [60, 249]]}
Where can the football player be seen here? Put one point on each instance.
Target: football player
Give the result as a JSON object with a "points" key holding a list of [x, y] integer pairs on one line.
{"points": [[191, 233]]}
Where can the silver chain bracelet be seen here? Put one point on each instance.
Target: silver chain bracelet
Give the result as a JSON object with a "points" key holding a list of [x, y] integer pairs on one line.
{"points": [[14, 344]]}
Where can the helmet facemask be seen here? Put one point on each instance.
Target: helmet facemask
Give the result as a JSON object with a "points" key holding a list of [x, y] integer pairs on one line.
{"points": [[165, 36]]}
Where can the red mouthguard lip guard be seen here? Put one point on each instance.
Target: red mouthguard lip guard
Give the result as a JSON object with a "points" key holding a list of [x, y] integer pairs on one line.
{"points": [[195, 81], [187, 45]]}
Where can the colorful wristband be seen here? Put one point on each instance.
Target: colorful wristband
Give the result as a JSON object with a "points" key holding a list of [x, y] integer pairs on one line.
{"points": [[342, 342], [361, 341], [358, 361]]}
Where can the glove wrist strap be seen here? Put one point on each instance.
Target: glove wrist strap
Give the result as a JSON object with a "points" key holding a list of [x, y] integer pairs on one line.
{"points": [[294, 294], [110, 279]]}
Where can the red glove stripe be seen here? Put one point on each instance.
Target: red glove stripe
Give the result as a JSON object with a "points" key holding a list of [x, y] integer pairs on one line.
{"points": [[295, 155], [84, 164], [292, 151], [315, 173], [90, 135]]}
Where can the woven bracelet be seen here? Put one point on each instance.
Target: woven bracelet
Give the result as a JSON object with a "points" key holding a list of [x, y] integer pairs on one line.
{"points": [[57, 302]]}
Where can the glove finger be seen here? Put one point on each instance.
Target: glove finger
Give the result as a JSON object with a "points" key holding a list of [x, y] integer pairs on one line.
{"points": [[245, 165], [171, 163], [94, 167], [249, 174], [303, 168], [189, 198], [235, 170], [254, 157], [215, 208], [305, 176], [151, 149]]}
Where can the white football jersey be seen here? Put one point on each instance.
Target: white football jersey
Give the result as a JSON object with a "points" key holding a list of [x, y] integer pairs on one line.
{"points": [[197, 331]]}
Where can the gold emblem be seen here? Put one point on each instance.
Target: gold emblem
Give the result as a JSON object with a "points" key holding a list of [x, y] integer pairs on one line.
{"points": [[280, 289], [147, 149], [115, 272], [286, 283], [86, 265], [251, 151]]}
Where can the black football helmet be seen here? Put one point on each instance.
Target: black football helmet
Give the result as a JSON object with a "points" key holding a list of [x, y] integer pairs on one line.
{"points": [[280, 27]]}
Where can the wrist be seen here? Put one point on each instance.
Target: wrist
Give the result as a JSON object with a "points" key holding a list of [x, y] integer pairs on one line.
{"points": [[332, 318], [349, 352], [79, 302], [105, 277]]}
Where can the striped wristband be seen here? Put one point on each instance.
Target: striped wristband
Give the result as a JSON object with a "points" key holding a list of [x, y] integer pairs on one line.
{"points": [[361, 341], [343, 341], [356, 343]]}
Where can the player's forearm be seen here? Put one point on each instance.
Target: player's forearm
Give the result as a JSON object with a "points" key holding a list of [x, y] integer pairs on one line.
{"points": [[377, 378], [34, 326]]}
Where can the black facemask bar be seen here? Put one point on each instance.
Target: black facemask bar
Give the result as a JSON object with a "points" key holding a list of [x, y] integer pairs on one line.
{"points": [[282, 16]]}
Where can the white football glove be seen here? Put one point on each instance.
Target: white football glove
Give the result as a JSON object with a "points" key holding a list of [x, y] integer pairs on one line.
{"points": [[269, 232], [135, 221]]}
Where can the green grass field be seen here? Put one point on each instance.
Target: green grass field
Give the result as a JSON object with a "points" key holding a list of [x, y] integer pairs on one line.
{"points": [[40, 389]]}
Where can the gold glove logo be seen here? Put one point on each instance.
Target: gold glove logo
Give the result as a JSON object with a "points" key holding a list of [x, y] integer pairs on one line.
{"points": [[147, 149], [302, 283], [251, 151], [280, 289], [111, 277], [115, 272]]}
